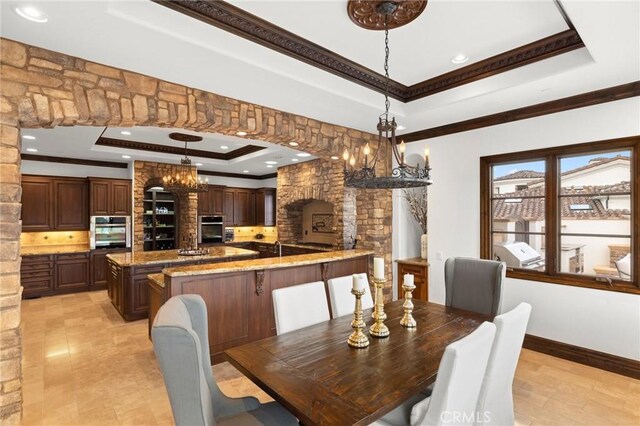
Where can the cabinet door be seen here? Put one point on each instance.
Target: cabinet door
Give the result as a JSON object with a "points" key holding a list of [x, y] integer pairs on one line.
{"points": [[244, 207], [99, 270], [260, 210], [37, 204], [269, 207], [204, 202], [420, 280], [71, 203], [99, 191], [229, 214], [72, 275], [217, 201], [120, 198], [140, 295]]}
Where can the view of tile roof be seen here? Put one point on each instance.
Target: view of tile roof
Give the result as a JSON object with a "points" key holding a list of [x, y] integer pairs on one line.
{"points": [[521, 174], [512, 205]]}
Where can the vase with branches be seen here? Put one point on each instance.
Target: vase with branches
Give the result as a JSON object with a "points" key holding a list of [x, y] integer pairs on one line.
{"points": [[417, 201]]}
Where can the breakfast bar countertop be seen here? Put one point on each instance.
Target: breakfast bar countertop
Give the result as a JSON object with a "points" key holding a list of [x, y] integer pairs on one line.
{"points": [[266, 263], [216, 253]]}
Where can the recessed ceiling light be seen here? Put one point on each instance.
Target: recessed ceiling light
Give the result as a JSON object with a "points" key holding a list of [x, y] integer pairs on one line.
{"points": [[224, 147], [32, 150], [31, 13], [241, 133], [126, 156], [401, 127], [303, 154], [293, 143], [269, 166], [270, 162], [245, 171], [198, 164], [295, 159], [125, 132], [333, 157], [28, 137], [460, 59]]}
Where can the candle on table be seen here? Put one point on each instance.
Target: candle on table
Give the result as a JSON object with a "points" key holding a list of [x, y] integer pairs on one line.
{"points": [[378, 268], [408, 279], [358, 282]]}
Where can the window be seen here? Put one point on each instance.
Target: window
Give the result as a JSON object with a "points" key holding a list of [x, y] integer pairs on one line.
{"points": [[567, 215]]}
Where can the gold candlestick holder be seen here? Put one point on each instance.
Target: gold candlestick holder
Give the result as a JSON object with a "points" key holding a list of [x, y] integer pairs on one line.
{"points": [[407, 319], [379, 329], [358, 339]]}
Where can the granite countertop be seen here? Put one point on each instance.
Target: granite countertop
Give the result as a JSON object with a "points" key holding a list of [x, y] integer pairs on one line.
{"points": [[418, 261], [271, 241], [266, 263], [171, 256], [54, 249], [157, 279]]}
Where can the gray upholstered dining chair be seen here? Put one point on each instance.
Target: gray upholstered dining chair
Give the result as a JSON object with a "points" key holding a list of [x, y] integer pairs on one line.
{"points": [[474, 284], [181, 343]]}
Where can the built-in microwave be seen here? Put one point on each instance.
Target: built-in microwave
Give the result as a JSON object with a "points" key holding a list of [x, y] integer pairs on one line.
{"points": [[110, 232], [210, 229]]}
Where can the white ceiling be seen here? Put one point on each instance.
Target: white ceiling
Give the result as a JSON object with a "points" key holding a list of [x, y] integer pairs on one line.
{"points": [[79, 142], [154, 40]]}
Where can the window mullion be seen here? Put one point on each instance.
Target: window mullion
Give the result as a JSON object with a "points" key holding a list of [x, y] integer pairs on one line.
{"points": [[552, 243]]}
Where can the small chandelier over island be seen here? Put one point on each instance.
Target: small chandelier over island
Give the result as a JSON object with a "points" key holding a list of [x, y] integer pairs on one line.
{"points": [[405, 175], [183, 178]]}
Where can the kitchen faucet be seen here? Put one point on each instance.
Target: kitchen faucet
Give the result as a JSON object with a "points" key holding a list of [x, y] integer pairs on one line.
{"points": [[279, 244]]}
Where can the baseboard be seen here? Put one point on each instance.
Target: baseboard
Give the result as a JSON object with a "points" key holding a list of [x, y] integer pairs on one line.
{"points": [[604, 361]]}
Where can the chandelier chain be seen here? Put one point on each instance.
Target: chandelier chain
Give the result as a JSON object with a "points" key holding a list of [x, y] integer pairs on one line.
{"points": [[387, 104]]}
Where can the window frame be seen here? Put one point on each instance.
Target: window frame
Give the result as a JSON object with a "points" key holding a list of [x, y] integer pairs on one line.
{"points": [[551, 157]]}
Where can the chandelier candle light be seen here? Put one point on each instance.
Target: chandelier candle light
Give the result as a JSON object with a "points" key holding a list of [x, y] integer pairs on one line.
{"points": [[379, 329], [358, 339], [404, 175]]}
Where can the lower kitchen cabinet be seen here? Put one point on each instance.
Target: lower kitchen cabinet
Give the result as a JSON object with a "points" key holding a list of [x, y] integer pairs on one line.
{"points": [[46, 275], [100, 268], [419, 268]]}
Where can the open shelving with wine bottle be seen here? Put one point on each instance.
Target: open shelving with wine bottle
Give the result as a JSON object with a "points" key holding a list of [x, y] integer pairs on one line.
{"points": [[160, 220]]}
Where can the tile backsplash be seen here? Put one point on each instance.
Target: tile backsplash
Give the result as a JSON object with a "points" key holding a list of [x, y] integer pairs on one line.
{"points": [[54, 238], [249, 232]]}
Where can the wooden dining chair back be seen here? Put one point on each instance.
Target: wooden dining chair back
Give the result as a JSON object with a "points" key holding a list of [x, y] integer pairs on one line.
{"points": [[460, 375], [496, 396], [474, 284], [181, 344], [342, 301], [300, 306]]}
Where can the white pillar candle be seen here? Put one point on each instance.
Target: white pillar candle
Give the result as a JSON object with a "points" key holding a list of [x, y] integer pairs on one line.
{"points": [[358, 282], [378, 268], [408, 279]]}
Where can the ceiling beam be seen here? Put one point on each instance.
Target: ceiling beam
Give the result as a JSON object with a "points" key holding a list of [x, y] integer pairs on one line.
{"points": [[77, 161], [237, 175], [596, 97]]}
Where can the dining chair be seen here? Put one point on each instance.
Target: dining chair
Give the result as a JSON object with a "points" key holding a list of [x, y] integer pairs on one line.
{"points": [[342, 301], [496, 394], [181, 344], [455, 393], [474, 284], [300, 306]]}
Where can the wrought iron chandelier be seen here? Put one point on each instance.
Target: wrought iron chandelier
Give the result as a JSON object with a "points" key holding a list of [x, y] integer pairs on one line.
{"points": [[404, 175], [184, 177]]}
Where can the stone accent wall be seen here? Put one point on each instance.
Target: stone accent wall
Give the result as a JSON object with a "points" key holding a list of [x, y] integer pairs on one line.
{"points": [[42, 88], [148, 174]]}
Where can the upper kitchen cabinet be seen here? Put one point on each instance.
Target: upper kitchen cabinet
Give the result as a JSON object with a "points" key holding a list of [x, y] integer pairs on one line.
{"points": [[109, 197], [54, 203], [244, 201], [211, 203], [228, 202], [266, 207], [37, 203]]}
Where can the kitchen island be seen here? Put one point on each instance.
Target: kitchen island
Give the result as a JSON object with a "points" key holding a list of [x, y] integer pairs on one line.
{"points": [[127, 277], [238, 293]]}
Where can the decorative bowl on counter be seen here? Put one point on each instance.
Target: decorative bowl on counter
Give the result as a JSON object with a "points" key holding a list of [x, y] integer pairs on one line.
{"points": [[193, 252]]}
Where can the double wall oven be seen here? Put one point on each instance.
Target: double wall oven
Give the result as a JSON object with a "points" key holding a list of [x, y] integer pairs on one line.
{"points": [[210, 229], [110, 232]]}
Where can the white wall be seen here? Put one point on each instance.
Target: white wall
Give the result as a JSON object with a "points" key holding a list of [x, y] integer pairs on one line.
{"points": [[601, 320]]}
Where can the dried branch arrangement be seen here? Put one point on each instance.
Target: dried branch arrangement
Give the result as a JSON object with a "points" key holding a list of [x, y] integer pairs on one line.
{"points": [[417, 200]]}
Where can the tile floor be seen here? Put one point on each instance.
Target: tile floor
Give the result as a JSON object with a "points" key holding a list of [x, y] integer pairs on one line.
{"points": [[82, 364]]}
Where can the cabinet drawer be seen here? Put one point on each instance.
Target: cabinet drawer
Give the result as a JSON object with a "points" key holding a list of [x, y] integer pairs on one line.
{"points": [[412, 269], [40, 285], [26, 275], [37, 258], [72, 256], [146, 270], [36, 266]]}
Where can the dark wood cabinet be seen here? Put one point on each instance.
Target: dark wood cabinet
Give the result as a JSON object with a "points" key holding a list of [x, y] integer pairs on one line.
{"points": [[244, 207], [266, 207], [72, 272], [37, 275], [109, 197], [420, 270], [211, 203], [71, 204], [45, 275], [100, 268], [37, 203], [229, 207]]}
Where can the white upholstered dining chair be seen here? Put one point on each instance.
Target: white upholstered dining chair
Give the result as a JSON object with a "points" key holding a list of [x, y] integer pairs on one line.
{"points": [[300, 306], [455, 394], [342, 301], [496, 394], [181, 344]]}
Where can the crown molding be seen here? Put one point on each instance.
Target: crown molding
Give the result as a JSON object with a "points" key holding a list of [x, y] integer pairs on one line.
{"points": [[237, 175], [77, 161]]}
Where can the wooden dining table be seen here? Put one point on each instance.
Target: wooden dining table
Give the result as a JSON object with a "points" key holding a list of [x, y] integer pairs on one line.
{"points": [[323, 381]]}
